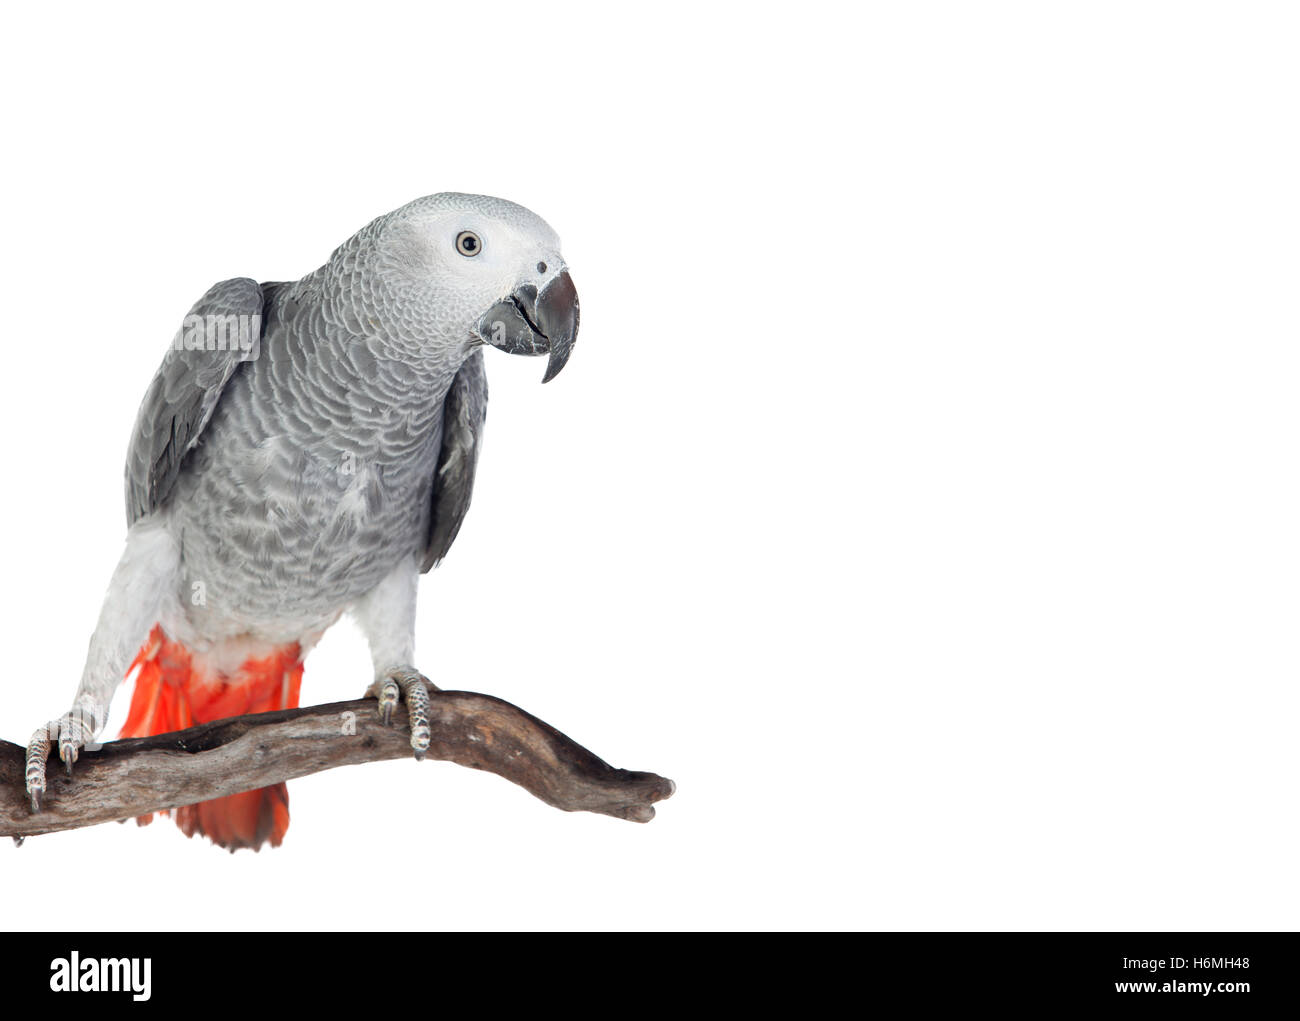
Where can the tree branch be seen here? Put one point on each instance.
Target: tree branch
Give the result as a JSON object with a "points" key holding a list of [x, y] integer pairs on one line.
{"points": [[134, 777]]}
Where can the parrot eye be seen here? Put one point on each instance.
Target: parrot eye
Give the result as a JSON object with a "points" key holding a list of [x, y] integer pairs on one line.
{"points": [[468, 244]]}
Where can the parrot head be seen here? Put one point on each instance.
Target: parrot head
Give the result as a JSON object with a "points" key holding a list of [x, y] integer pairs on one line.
{"points": [[491, 273]]}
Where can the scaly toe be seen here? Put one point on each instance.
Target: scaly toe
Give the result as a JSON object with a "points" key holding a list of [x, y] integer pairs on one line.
{"points": [[69, 753], [38, 750], [417, 704], [388, 695]]}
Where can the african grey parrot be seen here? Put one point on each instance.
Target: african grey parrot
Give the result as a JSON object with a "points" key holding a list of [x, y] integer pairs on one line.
{"points": [[308, 449]]}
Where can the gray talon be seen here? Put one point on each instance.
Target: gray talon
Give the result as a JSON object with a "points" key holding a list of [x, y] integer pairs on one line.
{"points": [[388, 695], [409, 685], [38, 750], [417, 704], [69, 751], [72, 731]]}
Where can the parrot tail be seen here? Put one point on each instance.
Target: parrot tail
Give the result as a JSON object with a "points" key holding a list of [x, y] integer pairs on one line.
{"points": [[173, 691]]}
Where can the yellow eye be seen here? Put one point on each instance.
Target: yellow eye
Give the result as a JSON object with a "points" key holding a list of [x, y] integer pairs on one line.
{"points": [[468, 243]]}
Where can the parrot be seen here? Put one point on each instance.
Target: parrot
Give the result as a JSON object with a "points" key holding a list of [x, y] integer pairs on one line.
{"points": [[308, 450]]}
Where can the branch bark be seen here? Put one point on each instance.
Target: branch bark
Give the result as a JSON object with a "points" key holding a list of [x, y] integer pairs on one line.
{"points": [[123, 779]]}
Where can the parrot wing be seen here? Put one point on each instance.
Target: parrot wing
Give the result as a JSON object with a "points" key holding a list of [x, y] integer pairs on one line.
{"points": [[186, 388], [463, 413]]}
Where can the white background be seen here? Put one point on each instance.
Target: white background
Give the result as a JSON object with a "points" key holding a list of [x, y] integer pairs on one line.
{"points": [[921, 496]]}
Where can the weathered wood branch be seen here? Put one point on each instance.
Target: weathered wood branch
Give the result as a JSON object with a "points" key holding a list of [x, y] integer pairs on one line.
{"points": [[128, 778]]}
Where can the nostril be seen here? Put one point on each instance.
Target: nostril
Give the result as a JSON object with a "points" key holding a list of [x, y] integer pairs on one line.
{"points": [[541, 267]]}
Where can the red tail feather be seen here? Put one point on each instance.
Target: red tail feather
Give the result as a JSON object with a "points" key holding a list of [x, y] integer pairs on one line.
{"points": [[172, 694]]}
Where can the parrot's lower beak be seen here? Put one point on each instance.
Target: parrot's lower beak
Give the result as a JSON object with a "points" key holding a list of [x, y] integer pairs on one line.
{"points": [[530, 322]]}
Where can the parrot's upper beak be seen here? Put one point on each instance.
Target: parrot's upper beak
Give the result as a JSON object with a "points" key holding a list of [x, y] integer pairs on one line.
{"points": [[530, 322]]}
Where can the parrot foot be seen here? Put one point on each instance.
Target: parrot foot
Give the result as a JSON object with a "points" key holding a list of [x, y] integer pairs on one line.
{"points": [[409, 684], [72, 731]]}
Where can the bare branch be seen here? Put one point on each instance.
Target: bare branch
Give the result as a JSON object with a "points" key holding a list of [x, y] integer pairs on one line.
{"points": [[123, 779]]}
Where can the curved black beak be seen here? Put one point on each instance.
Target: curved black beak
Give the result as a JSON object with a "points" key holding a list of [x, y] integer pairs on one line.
{"points": [[530, 322]]}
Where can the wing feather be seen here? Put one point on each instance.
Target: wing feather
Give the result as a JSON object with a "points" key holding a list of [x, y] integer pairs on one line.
{"points": [[185, 391], [463, 413]]}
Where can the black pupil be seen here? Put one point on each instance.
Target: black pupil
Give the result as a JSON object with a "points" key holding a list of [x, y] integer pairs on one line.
{"points": [[469, 243], [541, 267]]}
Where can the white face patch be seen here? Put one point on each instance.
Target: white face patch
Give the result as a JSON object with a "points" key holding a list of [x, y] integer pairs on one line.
{"points": [[469, 251]]}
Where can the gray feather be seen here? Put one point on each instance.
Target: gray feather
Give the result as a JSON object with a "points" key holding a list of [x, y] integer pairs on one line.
{"points": [[182, 397], [464, 412]]}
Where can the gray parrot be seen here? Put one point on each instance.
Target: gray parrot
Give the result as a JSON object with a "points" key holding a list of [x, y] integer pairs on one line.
{"points": [[308, 449]]}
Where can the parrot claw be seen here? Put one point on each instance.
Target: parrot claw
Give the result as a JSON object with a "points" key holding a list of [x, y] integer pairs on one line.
{"points": [[73, 731], [38, 750], [408, 684], [417, 704], [388, 695]]}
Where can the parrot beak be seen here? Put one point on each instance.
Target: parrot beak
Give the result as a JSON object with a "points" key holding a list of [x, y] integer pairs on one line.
{"points": [[530, 322]]}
